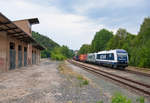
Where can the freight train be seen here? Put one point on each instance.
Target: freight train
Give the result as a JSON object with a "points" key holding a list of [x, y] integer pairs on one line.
{"points": [[117, 58]]}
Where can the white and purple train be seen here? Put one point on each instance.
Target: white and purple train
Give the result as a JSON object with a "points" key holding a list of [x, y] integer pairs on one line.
{"points": [[113, 58]]}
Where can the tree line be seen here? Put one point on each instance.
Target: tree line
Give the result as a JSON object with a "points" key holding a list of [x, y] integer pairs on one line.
{"points": [[53, 50], [137, 46]]}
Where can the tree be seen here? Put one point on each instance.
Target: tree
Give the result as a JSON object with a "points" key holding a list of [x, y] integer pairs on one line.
{"points": [[85, 48], [100, 40], [46, 42], [61, 53], [66, 51], [121, 33]]}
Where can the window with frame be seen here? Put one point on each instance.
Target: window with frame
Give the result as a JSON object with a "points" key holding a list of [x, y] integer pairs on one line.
{"points": [[98, 56], [111, 56]]}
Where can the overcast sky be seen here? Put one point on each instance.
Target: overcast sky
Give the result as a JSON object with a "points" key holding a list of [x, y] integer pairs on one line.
{"points": [[74, 22]]}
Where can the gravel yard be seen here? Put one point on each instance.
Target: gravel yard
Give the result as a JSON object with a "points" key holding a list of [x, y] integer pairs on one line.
{"points": [[44, 83], [55, 82], [31, 84]]}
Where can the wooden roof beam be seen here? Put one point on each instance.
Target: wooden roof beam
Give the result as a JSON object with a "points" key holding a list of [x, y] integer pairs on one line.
{"points": [[1, 23], [15, 33], [8, 29]]}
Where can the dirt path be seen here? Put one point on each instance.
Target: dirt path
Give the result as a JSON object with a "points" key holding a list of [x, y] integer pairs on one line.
{"points": [[30, 84]]}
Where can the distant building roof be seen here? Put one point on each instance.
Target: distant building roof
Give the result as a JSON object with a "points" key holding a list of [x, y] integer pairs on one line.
{"points": [[33, 21]]}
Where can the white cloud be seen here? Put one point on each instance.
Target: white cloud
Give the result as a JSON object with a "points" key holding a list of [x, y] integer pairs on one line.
{"points": [[66, 29], [102, 4]]}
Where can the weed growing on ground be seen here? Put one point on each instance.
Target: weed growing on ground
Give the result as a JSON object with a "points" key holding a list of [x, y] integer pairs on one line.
{"points": [[118, 98], [140, 100], [83, 81], [69, 102], [99, 102], [69, 72]]}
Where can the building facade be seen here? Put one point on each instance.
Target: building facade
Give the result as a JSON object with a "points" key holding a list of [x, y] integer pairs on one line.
{"points": [[17, 47]]}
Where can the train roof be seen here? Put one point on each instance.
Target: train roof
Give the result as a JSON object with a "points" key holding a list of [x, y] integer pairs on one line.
{"points": [[121, 51], [91, 53], [115, 50]]}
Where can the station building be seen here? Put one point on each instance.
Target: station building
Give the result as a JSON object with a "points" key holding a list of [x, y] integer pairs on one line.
{"points": [[17, 47]]}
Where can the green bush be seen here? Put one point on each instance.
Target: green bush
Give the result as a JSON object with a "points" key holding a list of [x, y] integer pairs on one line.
{"points": [[118, 98], [57, 56], [61, 53]]}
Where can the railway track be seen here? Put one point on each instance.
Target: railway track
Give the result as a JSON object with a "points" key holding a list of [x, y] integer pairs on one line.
{"points": [[136, 85], [136, 72]]}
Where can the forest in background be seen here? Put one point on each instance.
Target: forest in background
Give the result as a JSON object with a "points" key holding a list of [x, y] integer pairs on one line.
{"points": [[137, 46], [53, 50]]}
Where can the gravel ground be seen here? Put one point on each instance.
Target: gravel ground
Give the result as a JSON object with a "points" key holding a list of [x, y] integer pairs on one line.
{"points": [[108, 88], [71, 91], [45, 83], [31, 84]]}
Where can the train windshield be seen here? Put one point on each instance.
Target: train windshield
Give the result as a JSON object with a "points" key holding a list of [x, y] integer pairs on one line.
{"points": [[122, 56]]}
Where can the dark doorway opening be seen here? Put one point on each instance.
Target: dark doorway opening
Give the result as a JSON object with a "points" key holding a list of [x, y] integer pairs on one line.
{"points": [[19, 56], [25, 56], [33, 57], [12, 54]]}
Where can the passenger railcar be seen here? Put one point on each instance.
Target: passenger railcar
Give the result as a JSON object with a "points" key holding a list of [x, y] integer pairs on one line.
{"points": [[113, 58], [91, 58]]}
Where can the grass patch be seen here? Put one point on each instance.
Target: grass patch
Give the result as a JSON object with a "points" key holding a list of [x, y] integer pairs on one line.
{"points": [[140, 100], [99, 102], [83, 81], [69, 102], [119, 98], [69, 72]]}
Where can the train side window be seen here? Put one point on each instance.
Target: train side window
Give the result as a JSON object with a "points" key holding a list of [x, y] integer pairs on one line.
{"points": [[111, 56], [104, 57], [101, 56], [107, 57], [98, 56]]}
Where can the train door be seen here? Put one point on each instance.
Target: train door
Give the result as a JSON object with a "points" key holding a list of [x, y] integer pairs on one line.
{"points": [[25, 56], [12, 54], [19, 56]]}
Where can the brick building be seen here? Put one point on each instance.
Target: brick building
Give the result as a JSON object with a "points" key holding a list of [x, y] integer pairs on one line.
{"points": [[17, 47]]}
